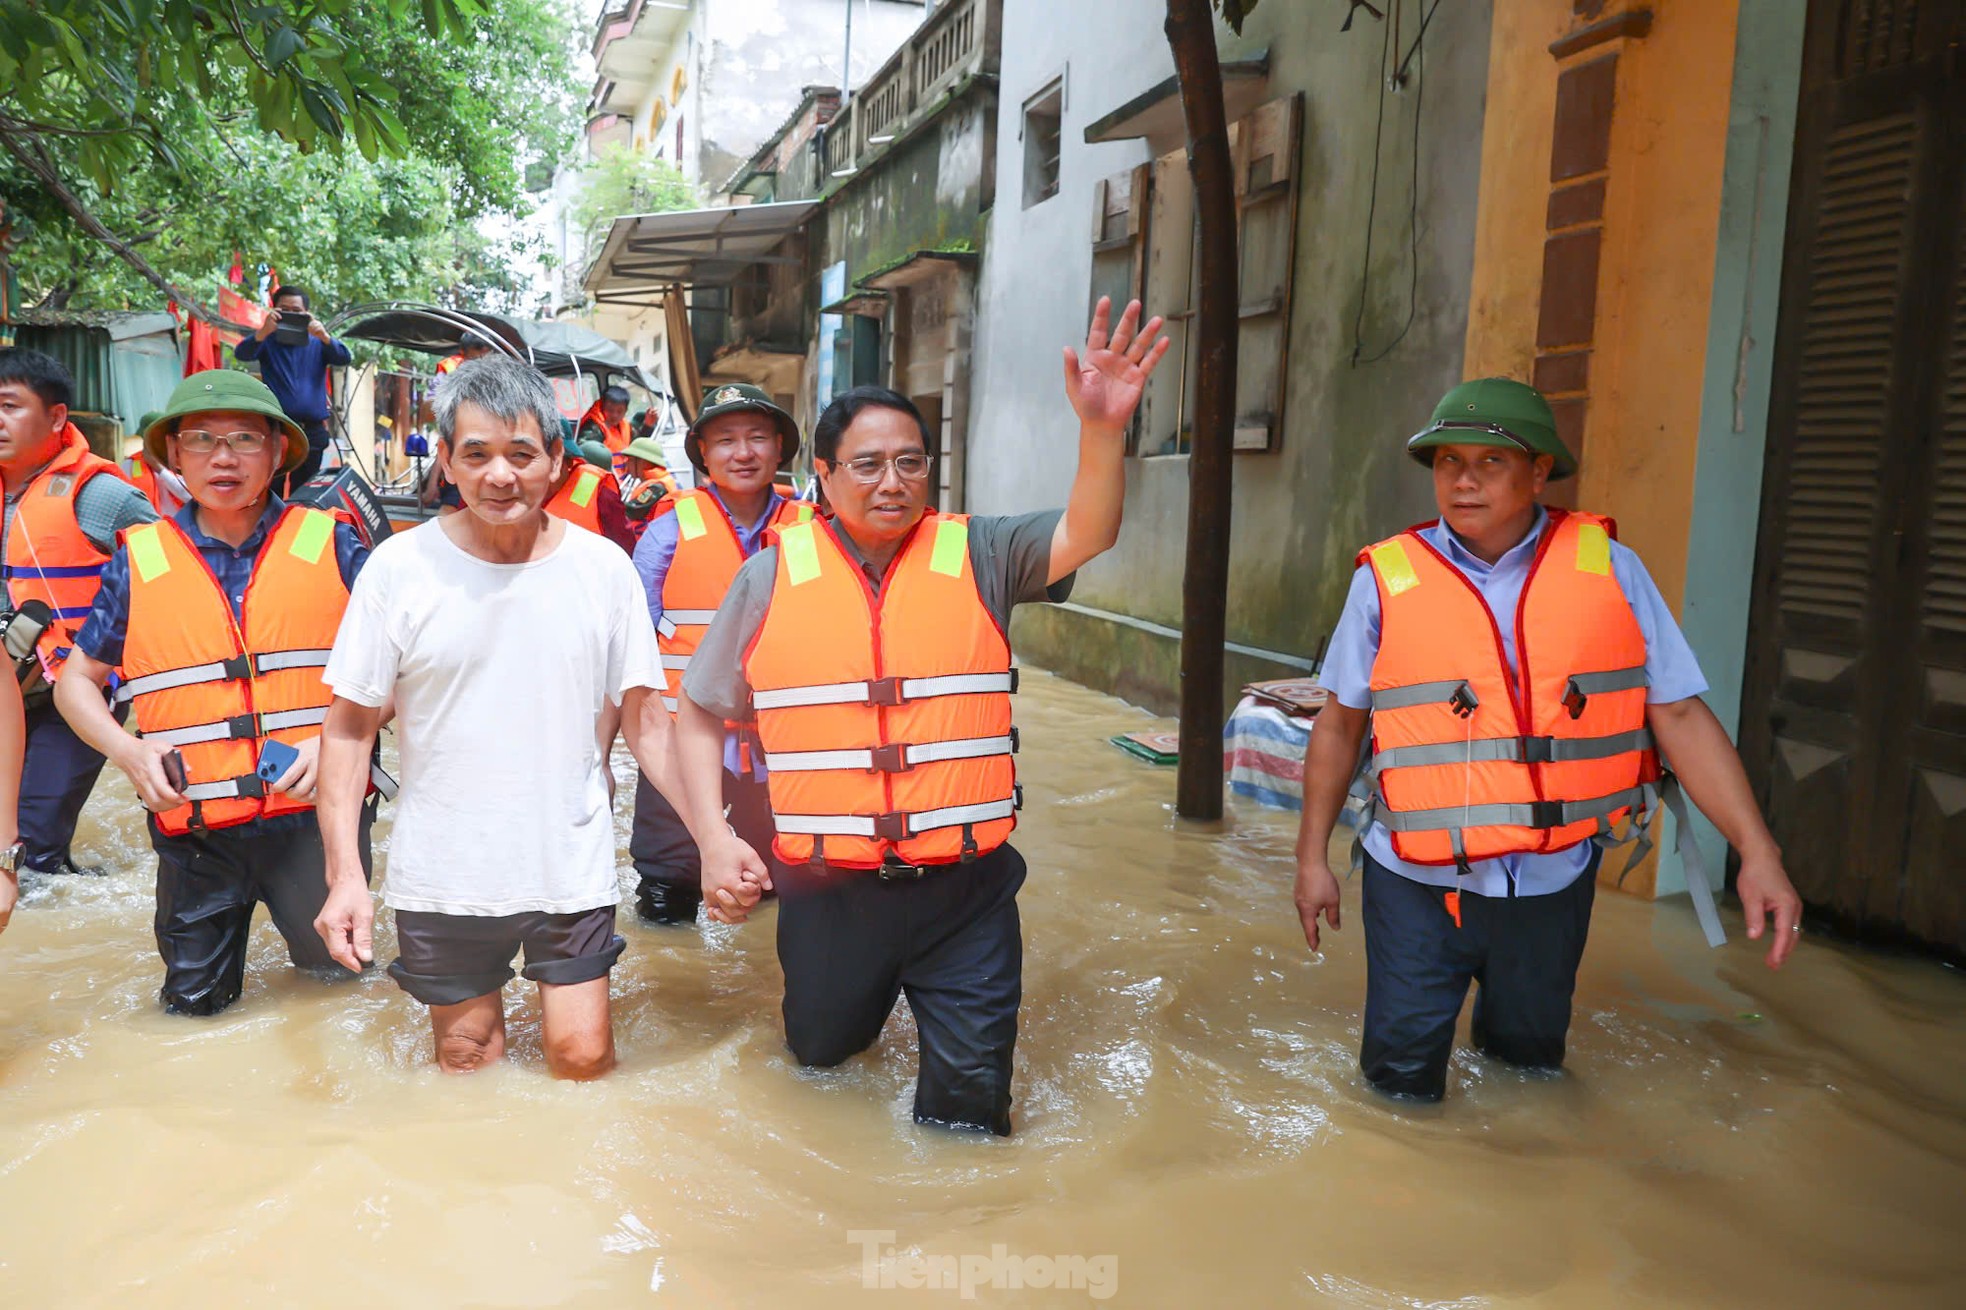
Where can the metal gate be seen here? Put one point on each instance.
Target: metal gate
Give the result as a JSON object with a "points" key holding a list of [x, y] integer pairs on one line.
{"points": [[1854, 713]]}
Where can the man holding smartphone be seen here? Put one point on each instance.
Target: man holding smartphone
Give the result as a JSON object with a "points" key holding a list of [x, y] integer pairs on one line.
{"points": [[219, 622], [297, 371]]}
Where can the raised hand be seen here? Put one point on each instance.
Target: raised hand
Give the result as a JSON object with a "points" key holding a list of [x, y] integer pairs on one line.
{"points": [[1105, 383]]}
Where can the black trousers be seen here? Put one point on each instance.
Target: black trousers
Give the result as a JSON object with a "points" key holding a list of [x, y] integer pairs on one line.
{"points": [[58, 772], [1522, 951], [207, 885], [850, 942], [668, 869]]}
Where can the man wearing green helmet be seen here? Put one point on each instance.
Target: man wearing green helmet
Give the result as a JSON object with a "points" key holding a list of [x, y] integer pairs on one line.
{"points": [[218, 621], [1522, 677]]}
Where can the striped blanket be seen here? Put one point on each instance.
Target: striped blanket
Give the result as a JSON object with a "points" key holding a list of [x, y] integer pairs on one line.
{"points": [[1263, 754]]}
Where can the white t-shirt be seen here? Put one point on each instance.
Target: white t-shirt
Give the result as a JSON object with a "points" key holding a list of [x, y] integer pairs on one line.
{"points": [[500, 673]]}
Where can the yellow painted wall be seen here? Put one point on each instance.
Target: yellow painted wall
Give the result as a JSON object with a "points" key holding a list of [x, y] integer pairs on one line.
{"points": [[1515, 187], [1655, 275], [1655, 279]]}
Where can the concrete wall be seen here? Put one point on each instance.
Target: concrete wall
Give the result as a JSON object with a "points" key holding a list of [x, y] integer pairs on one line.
{"points": [[1338, 478], [927, 191]]}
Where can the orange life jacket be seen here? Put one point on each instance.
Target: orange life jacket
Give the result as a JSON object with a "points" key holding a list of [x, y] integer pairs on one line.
{"points": [[216, 687], [578, 500], [614, 435], [660, 482], [1474, 763], [47, 557], [707, 559], [885, 719]]}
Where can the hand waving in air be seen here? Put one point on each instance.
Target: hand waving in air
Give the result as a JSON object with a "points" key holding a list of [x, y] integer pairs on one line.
{"points": [[1104, 384]]}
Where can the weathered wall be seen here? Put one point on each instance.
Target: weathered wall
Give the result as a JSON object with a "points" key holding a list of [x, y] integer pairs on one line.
{"points": [[1338, 478], [759, 56], [925, 192]]}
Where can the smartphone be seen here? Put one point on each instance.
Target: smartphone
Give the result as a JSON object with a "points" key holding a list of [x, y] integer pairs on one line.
{"points": [[274, 761], [174, 772]]}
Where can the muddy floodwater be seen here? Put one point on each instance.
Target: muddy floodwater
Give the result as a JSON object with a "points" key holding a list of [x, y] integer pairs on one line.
{"points": [[1192, 1130]]}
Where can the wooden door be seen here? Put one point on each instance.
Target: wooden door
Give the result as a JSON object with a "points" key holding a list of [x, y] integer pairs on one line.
{"points": [[1854, 713]]}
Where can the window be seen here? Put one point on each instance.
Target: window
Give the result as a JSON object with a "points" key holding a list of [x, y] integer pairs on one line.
{"points": [[1119, 220], [1264, 147], [1043, 131]]}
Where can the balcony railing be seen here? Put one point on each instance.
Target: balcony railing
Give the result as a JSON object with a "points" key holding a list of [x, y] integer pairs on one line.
{"points": [[961, 38]]}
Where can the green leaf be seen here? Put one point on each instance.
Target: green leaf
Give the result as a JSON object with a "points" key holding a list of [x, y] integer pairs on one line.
{"points": [[321, 111], [286, 43]]}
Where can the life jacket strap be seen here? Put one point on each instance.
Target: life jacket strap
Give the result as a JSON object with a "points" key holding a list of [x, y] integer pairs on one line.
{"points": [[670, 703], [239, 727], [897, 826], [892, 758], [1514, 814], [886, 691], [674, 619], [676, 662], [248, 787], [1513, 750], [1417, 693], [1582, 686], [236, 669]]}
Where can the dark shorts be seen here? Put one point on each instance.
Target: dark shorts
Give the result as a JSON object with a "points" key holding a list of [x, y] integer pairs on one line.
{"points": [[447, 959]]}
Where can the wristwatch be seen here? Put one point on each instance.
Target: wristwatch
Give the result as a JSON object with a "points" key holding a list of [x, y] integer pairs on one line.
{"points": [[11, 857]]}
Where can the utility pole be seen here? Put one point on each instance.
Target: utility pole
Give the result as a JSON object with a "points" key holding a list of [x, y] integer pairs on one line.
{"points": [[1190, 32]]}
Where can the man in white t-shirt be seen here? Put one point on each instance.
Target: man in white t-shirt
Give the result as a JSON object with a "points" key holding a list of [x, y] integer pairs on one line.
{"points": [[514, 646]]}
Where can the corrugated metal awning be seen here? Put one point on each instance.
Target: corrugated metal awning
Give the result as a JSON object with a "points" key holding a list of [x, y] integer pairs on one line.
{"points": [[646, 253]]}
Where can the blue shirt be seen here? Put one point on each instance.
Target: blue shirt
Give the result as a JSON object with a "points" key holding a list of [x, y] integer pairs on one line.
{"points": [[297, 375], [656, 551], [1670, 668], [103, 632]]}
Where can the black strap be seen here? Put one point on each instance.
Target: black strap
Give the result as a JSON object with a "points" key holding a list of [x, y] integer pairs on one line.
{"points": [[969, 843], [818, 856]]}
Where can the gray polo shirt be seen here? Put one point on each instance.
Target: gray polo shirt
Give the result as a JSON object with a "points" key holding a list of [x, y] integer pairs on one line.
{"points": [[1010, 556]]}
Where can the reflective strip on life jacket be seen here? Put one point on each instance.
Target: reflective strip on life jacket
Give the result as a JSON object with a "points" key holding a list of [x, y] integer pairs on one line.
{"points": [[224, 671], [893, 827], [674, 619], [887, 691], [896, 758]]}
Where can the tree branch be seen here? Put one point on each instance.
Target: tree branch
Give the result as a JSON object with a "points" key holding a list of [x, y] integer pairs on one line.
{"points": [[43, 169]]}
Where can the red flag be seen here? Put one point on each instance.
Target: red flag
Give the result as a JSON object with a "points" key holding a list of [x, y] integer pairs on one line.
{"points": [[237, 272], [201, 350], [272, 283]]}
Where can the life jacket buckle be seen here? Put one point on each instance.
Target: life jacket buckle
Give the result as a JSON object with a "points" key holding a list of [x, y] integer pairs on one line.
{"points": [[1464, 702], [1574, 699], [885, 691], [240, 727], [1538, 750], [891, 827], [239, 668], [1545, 814], [891, 758]]}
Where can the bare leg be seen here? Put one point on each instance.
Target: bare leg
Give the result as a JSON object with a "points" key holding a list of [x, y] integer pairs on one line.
{"points": [[578, 1030], [470, 1034]]}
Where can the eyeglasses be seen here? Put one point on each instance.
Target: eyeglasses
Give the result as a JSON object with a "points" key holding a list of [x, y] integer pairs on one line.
{"points": [[868, 470], [197, 441]]}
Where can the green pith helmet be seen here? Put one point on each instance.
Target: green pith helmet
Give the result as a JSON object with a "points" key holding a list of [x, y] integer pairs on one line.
{"points": [[646, 448], [1494, 412], [215, 390], [730, 399]]}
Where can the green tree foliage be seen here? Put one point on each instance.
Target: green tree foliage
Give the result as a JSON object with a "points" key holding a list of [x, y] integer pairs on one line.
{"points": [[352, 143], [627, 181], [1234, 11]]}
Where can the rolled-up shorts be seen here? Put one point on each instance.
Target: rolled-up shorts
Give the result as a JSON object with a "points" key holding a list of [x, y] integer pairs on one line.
{"points": [[447, 959]]}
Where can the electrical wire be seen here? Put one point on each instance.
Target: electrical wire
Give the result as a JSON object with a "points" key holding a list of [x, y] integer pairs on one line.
{"points": [[1415, 56]]}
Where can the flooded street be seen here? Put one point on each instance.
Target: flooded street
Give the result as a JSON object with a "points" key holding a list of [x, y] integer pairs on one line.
{"points": [[1187, 1102]]}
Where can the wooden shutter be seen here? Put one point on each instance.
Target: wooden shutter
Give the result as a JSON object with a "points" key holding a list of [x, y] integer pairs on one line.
{"points": [[1119, 257], [1854, 706], [1167, 408], [1266, 150]]}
